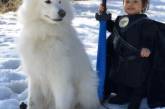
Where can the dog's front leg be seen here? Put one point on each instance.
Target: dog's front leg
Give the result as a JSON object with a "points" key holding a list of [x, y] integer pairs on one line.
{"points": [[35, 100], [64, 95]]}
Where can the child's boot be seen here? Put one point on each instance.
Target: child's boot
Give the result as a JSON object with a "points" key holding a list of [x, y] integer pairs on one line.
{"points": [[134, 104], [118, 100], [122, 96]]}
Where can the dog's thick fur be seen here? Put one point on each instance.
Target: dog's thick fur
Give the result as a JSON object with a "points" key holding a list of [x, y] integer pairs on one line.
{"points": [[60, 74]]}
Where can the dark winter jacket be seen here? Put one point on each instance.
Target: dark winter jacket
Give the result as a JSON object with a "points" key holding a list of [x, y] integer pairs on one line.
{"points": [[134, 72], [156, 82], [127, 67]]}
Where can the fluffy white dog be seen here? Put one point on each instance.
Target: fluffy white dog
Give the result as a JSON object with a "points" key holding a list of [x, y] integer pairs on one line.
{"points": [[60, 74]]}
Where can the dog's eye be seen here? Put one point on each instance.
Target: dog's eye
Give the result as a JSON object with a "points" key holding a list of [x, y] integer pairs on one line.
{"points": [[48, 2], [59, 1]]}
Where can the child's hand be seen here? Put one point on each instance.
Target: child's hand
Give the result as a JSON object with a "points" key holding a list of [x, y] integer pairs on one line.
{"points": [[102, 8], [145, 52]]}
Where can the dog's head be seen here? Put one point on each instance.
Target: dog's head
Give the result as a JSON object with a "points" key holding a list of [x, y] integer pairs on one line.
{"points": [[51, 11], [55, 11]]}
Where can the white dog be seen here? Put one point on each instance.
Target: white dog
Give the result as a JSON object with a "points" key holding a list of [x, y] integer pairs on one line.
{"points": [[60, 74]]}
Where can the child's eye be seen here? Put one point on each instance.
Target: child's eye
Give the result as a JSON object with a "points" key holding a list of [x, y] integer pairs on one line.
{"points": [[48, 2], [132, 1], [135, 1], [127, 1]]}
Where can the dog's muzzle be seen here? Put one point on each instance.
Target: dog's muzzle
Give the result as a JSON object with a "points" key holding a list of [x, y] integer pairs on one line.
{"points": [[61, 14]]}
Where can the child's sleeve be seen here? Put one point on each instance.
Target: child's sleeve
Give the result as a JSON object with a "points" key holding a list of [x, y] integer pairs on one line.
{"points": [[149, 32], [110, 25]]}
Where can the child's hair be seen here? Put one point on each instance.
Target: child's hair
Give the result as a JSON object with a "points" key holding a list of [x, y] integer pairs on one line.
{"points": [[145, 4]]}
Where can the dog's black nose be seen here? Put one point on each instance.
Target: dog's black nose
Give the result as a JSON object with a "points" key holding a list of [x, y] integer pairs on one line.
{"points": [[61, 13]]}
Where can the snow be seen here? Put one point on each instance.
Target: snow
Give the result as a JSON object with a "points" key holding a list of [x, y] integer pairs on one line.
{"points": [[13, 81]]}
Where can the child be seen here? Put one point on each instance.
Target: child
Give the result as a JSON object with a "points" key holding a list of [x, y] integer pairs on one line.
{"points": [[129, 50]]}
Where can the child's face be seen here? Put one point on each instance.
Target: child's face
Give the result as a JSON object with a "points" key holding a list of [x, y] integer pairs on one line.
{"points": [[133, 6]]}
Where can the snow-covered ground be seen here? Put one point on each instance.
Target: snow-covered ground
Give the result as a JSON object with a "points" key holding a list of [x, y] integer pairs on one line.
{"points": [[13, 81]]}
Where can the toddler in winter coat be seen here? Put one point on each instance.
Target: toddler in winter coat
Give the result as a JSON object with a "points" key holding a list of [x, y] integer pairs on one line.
{"points": [[129, 53]]}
